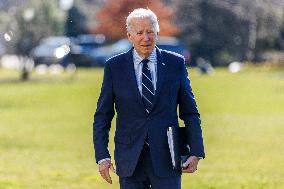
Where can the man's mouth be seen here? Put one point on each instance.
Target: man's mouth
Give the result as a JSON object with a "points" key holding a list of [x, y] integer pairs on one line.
{"points": [[146, 45]]}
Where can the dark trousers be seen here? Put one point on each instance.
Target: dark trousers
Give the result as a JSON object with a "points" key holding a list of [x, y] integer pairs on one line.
{"points": [[145, 178]]}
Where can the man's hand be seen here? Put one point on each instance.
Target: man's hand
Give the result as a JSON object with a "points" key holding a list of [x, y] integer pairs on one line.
{"points": [[104, 170], [190, 166]]}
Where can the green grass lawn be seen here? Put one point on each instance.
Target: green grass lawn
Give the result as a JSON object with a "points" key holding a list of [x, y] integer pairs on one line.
{"points": [[46, 131]]}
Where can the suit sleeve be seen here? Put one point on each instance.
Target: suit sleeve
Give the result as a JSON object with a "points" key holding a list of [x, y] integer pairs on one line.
{"points": [[188, 112], [103, 117]]}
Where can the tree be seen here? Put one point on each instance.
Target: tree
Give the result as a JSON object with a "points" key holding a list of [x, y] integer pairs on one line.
{"points": [[31, 21], [113, 14], [280, 41], [42, 22], [233, 30], [75, 23]]}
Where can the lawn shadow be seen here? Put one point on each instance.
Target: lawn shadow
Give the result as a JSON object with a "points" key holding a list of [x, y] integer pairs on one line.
{"points": [[37, 80]]}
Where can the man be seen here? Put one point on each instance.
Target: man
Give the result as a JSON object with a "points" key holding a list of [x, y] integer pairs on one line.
{"points": [[145, 85]]}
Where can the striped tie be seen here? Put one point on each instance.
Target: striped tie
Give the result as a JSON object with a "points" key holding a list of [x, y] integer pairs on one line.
{"points": [[148, 91]]}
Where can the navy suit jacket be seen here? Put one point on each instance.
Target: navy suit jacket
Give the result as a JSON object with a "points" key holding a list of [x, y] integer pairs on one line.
{"points": [[120, 93]]}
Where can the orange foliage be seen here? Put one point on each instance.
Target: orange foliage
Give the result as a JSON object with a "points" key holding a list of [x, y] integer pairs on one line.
{"points": [[111, 18]]}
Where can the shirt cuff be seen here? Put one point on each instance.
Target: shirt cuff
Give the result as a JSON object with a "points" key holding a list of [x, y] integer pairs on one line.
{"points": [[102, 160]]}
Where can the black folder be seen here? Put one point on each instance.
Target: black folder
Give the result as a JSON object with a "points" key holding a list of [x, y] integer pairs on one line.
{"points": [[179, 148]]}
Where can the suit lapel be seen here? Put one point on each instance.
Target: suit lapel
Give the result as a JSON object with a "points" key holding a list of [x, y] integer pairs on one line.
{"points": [[129, 67], [160, 75]]}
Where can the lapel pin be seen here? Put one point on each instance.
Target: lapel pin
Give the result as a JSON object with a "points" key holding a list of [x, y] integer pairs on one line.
{"points": [[163, 64]]}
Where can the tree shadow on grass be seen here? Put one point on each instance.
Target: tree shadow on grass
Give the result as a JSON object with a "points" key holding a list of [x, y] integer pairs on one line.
{"points": [[45, 80]]}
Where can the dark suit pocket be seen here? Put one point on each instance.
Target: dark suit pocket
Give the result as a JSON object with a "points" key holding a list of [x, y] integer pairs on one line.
{"points": [[122, 139]]}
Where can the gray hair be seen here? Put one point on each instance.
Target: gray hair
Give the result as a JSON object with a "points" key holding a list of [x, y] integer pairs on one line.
{"points": [[143, 13]]}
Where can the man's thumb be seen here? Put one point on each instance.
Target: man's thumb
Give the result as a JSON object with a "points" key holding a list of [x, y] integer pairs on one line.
{"points": [[112, 168]]}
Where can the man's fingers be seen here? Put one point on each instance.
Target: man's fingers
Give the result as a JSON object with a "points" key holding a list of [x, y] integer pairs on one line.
{"points": [[185, 164], [188, 163], [104, 171], [190, 169], [108, 178], [190, 166]]}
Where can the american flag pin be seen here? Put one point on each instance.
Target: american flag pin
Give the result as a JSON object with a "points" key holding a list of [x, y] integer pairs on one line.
{"points": [[163, 64]]}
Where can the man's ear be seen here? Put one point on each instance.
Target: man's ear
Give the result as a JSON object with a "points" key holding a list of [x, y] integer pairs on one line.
{"points": [[157, 35], [129, 36]]}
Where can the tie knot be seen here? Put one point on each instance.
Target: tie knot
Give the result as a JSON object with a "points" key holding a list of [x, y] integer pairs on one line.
{"points": [[145, 61]]}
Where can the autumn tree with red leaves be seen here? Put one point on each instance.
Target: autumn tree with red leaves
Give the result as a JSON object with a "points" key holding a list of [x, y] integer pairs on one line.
{"points": [[112, 16]]}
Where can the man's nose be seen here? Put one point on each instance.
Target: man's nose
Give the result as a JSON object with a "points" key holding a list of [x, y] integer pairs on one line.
{"points": [[146, 36]]}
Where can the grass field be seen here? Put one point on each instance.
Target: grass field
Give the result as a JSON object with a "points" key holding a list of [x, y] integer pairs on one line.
{"points": [[46, 131]]}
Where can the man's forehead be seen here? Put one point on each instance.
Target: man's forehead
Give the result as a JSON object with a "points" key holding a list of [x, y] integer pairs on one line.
{"points": [[143, 19], [138, 25]]}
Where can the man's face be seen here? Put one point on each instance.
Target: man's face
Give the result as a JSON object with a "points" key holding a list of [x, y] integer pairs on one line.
{"points": [[142, 36]]}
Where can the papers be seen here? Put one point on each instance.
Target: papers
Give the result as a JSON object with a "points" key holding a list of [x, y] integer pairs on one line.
{"points": [[171, 145], [179, 149]]}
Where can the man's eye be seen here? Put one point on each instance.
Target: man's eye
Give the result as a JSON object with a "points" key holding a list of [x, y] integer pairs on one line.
{"points": [[139, 33]]}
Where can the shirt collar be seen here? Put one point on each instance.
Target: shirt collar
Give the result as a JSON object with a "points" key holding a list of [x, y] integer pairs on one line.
{"points": [[137, 58]]}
